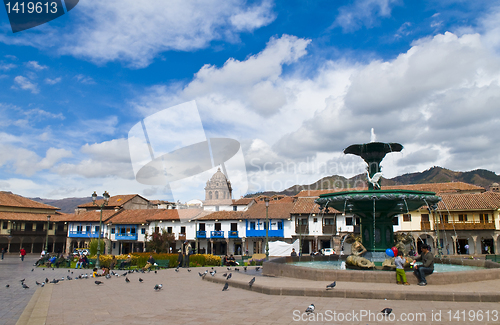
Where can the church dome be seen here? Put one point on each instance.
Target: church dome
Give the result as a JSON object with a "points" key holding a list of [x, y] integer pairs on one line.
{"points": [[218, 177]]}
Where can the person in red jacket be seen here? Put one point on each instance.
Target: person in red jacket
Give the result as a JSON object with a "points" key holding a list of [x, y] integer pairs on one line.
{"points": [[23, 253]]}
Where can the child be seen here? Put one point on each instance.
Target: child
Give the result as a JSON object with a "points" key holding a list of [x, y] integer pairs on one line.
{"points": [[400, 269]]}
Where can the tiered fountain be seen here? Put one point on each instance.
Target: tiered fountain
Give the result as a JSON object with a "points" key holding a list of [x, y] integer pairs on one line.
{"points": [[376, 207]]}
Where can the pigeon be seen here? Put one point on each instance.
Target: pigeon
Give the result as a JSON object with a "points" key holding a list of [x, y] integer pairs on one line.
{"points": [[46, 280], [331, 285], [32, 270], [225, 287], [245, 268], [69, 278], [43, 269], [200, 274], [98, 282], [22, 280], [189, 270], [229, 269], [127, 280], [213, 272], [224, 275], [124, 274], [310, 309], [7, 286], [107, 276], [236, 269], [38, 283], [43, 284], [25, 286], [140, 280], [251, 282], [177, 270], [158, 287], [229, 276], [386, 311], [52, 269], [54, 281], [257, 268], [68, 271], [157, 271]]}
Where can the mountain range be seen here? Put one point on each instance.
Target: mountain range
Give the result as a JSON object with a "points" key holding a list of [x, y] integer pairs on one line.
{"points": [[479, 177]]}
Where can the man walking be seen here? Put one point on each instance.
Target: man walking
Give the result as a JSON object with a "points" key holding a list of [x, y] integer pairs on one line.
{"points": [[23, 253], [427, 266]]}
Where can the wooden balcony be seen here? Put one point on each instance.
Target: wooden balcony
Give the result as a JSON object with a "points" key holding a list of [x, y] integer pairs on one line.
{"points": [[468, 225], [425, 226], [182, 237], [328, 229], [301, 229]]}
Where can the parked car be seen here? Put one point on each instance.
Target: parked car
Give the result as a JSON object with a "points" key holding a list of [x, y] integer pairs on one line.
{"points": [[79, 251], [327, 251]]}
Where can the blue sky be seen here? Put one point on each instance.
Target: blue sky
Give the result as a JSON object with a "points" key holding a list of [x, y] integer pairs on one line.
{"points": [[295, 82]]}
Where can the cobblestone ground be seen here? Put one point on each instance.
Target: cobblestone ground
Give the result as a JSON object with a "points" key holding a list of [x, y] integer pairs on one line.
{"points": [[187, 299]]}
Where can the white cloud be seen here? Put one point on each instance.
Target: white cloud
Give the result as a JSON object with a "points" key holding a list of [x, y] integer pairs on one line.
{"points": [[26, 84], [85, 79], [53, 81], [36, 66], [7, 66], [135, 32], [26, 162], [363, 13], [38, 114]]}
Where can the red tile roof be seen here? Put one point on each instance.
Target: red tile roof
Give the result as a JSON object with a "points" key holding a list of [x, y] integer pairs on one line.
{"points": [[135, 216], [306, 205], [450, 187], [91, 216], [277, 210], [8, 199], [462, 202], [32, 216], [178, 214], [243, 201], [223, 215]]}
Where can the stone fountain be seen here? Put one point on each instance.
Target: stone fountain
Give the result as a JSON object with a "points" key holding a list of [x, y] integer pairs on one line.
{"points": [[376, 207]]}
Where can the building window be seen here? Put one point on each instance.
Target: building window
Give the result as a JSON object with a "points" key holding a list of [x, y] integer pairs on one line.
{"points": [[315, 219], [424, 217], [113, 230], [234, 226], [169, 230], [483, 218], [235, 208], [445, 218], [348, 221], [183, 230], [79, 228], [157, 229], [280, 225], [201, 227], [252, 225], [395, 221], [407, 217], [216, 195], [87, 229], [96, 229], [143, 231], [123, 231], [60, 226], [218, 226], [5, 224], [39, 226], [328, 221], [28, 226], [209, 195], [132, 230], [51, 225], [462, 217], [216, 208]]}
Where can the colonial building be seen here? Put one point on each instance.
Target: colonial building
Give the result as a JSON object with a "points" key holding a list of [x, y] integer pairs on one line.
{"points": [[29, 224], [218, 193]]}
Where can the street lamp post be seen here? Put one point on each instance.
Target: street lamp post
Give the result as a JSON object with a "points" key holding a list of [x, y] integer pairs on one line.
{"points": [[104, 203], [267, 227], [47, 236]]}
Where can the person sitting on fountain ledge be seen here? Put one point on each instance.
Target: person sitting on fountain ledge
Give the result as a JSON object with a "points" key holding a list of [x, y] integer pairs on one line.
{"points": [[427, 266]]}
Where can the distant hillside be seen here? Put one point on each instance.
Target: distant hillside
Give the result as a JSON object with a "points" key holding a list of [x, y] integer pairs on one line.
{"points": [[479, 177], [67, 205]]}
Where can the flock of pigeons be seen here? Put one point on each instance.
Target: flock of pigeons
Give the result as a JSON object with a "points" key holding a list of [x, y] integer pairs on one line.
{"points": [[228, 275], [310, 309]]}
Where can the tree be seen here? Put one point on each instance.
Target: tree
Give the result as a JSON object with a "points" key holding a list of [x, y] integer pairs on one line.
{"points": [[159, 241]]}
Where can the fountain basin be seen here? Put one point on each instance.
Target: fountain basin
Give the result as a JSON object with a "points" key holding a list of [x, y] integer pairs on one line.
{"points": [[376, 209], [283, 266]]}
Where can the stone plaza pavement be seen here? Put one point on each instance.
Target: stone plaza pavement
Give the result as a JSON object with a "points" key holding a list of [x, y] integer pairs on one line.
{"points": [[187, 299]]}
